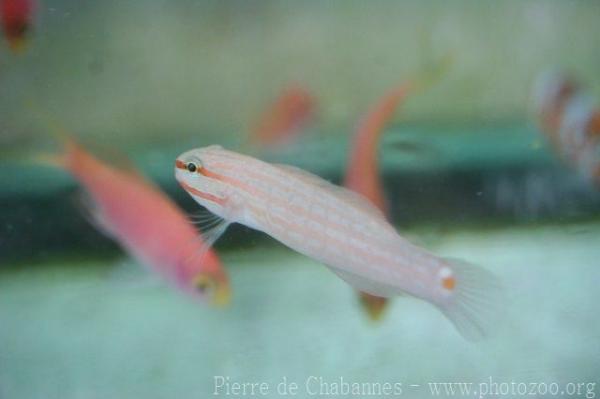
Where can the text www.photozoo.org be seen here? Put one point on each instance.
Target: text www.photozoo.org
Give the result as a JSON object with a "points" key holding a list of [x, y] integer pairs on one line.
{"points": [[344, 387]]}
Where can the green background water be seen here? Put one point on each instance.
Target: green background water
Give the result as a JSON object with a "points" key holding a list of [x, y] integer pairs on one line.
{"points": [[466, 172]]}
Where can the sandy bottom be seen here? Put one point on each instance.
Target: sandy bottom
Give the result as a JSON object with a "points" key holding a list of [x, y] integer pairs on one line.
{"points": [[104, 331]]}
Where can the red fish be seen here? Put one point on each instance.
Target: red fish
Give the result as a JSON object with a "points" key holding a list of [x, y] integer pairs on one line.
{"points": [[17, 18], [283, 119], [362, 173], [147, 224]]}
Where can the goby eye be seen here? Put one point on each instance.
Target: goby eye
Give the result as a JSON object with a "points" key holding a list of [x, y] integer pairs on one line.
{"points": [[191, 167]]}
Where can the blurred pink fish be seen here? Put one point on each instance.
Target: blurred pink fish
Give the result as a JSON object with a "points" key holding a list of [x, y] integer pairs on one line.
{"points": [[147, 224], [284, 118], [362, 173]]}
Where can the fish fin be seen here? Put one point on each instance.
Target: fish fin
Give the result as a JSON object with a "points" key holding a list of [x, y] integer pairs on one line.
{"points": [[431, 69], [373, 305], [55, 160], [59, 159], [356, 199], [302, 174], [56, 129], [108, 155], [211, 234], [432, 73], [204, 219], [90, 211], [70, 146], [116, 159], [476, 305], [367, 285], [210, 227]]}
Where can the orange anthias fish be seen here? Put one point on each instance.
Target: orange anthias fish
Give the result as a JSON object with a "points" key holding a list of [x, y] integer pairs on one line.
{"points": [[16, 17], [147, 224], [571, 121], [284, 118], [362, 173]]}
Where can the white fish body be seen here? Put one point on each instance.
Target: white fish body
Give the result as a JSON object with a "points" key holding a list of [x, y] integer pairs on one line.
{"points": [[338, 228]]}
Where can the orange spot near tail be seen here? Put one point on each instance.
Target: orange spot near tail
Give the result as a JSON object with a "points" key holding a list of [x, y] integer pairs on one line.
{"points": [[449, 283]]}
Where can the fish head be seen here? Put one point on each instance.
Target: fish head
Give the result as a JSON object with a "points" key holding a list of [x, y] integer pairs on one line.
{"points": [[198, 172], [201, 274], [210, 288]]}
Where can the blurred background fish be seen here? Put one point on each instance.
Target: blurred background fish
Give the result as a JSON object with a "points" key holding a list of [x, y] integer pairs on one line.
{"points": [[362, 170], [17, 19], [284, 118], [570, 119], [145, 222]]}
